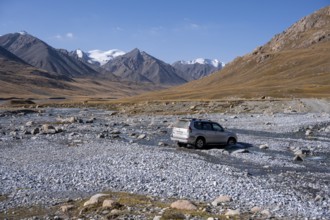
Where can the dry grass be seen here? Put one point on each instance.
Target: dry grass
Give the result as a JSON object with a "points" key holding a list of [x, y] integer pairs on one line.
{"points": [[127, 205], [287, 74]]}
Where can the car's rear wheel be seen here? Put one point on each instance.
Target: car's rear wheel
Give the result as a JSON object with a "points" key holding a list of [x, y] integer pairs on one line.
{"points": [[181, 144], [231, 141], [200, 143]]}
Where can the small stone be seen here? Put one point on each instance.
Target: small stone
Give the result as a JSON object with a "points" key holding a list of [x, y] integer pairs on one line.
{"points": [[183, 205], [298, 158], [308, 132], [90, 121], [115, 212], [66, 208], [48, 129], [115, 132], [29, 123], [101, 136], [318, 198], [231, 212], [113, 113], [263, 146], [142, 136], [240, 151], [256, 209]]}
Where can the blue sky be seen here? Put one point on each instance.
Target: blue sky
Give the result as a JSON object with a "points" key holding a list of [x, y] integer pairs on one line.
{"points": [[170, 30]]}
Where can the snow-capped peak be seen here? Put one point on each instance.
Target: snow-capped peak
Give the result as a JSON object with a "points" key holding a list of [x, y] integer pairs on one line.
{"points": [[216, 63], [102, 57], [23, 33], [80, 53], [98, 57]]}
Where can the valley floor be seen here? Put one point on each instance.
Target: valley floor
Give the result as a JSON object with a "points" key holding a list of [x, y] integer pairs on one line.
{"points": [[280, 165]]}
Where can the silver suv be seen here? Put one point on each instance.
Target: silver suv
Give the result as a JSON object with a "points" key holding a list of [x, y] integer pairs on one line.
{"points": [[200, 132]]}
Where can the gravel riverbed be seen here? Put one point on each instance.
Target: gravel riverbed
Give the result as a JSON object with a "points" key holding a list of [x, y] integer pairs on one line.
{"points": [[86, 151]]}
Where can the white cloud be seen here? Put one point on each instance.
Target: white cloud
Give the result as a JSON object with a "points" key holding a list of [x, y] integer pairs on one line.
{"points": [[117, 29], [69, 35], [194, 26], [58, 36]]}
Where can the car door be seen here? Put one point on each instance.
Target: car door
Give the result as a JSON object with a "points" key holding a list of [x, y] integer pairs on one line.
{"points": [[220, 135], [208, 132]]}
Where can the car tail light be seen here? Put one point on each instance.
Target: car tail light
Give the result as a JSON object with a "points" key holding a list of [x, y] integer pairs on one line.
{"points": [[189, 129]]}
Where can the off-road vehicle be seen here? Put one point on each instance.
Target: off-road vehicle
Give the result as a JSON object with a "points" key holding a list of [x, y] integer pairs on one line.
{"points": [[199, 133]]}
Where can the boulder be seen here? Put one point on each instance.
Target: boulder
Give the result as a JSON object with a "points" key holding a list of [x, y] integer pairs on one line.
{"points": [[265, 212], [183, 205], [142, 136], [221, 199], [255, 209], [48, 129], [263, 146], [68, 120], [29, 123], [95, 199], [298, 158], [108, 203], [66, 208], [231, 212]]}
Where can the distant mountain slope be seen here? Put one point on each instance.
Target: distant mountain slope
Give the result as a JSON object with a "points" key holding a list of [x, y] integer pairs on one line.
{"points": [[18, 77], [196, 69], [139, 66], [39, 54], [295, 63]]}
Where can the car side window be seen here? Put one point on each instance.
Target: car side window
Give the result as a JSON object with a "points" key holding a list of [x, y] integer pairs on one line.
{"points": [[198, 125], [207, 126], [217, 127]]}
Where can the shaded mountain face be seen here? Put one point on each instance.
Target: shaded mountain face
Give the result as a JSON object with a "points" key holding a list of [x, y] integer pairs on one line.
{"points": [[6, 55], [294, 63], [18, 77], [139, 66], [39, 54], [193, 70]]}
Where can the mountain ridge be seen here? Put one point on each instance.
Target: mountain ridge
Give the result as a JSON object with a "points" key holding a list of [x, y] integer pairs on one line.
{"points": [[41, 55], [299, 67]]}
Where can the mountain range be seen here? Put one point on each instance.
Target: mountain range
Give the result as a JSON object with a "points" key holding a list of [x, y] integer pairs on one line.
{"points": [[294, 63], [116, 65]]}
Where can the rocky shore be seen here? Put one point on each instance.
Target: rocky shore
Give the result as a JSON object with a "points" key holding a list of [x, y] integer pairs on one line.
{"points": [[279, 168]]}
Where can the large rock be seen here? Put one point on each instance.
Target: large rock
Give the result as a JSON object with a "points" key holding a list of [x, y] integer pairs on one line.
{"points": [[231, 212], [183, 205], [95, 199], [109, 203], [66, 208], [48, 129], [263, 146], [221, 199]]}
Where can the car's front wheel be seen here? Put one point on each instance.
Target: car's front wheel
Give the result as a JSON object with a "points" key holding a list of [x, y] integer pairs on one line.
{"points": [[200, 143]]}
